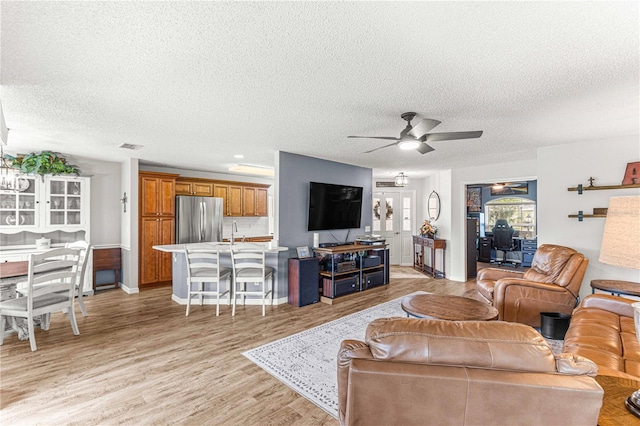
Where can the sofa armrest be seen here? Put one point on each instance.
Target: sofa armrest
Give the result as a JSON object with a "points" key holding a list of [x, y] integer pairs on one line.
{"points": [[509, 294], [349, 350], [494, 274], [616, 304]]}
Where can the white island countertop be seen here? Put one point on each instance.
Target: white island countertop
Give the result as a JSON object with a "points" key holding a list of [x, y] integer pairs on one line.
{"points": [[223, 247]]}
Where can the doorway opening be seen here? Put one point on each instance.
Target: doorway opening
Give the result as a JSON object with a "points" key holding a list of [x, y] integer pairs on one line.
{"points": [[512, 204]]}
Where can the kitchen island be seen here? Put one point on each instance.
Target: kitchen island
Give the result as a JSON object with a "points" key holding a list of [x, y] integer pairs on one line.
{"points": [[276, 258]]}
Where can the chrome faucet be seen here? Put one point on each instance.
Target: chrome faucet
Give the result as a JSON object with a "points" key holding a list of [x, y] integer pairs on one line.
{"points": [[234, 225]]}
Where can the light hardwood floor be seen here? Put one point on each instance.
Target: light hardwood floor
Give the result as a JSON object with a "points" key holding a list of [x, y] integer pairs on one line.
{"points": [[140, 360]]}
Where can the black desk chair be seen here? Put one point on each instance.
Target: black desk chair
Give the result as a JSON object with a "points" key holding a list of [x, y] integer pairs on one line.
{"points": [[503, 240]]}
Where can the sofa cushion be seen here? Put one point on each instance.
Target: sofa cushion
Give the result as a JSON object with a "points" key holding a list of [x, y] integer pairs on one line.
{"points": [[603, 331], [496, 344]]}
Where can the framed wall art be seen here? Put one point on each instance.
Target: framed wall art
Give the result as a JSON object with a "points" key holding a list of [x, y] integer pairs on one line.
{"points": [[474, 199]]}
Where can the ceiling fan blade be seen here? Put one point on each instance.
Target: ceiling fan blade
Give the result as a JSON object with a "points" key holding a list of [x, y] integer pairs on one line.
{"points": [[423, 148], [423, 127], [388, 138], [380, 147], [448, 136]]}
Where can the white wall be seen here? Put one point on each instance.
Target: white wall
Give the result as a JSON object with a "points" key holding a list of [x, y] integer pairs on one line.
{"points": [[105, 193], [564, 166]]}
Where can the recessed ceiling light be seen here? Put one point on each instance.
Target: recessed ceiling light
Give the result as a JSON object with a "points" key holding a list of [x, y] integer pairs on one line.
{"points": [[238, 156]]}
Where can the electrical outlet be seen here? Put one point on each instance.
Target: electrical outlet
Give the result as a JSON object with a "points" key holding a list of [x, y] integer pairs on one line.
{"points": [[367, 228]]}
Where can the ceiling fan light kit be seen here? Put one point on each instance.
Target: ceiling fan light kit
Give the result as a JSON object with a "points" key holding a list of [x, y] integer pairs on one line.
{"points": [[408, 144], [416, 137]]}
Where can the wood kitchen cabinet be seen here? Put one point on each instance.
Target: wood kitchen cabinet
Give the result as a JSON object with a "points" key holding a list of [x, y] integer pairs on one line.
{"points": [[232, 198], [197, 187], [155, 266], [157, 194], [254, 201], [262, 201], [239, 198], [157, 226]]}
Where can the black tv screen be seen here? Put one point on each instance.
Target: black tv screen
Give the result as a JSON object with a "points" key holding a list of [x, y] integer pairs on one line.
{"points": [[334, 206]]}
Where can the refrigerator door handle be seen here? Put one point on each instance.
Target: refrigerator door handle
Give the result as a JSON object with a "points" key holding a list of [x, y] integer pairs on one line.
{"points": [[203, 215]]}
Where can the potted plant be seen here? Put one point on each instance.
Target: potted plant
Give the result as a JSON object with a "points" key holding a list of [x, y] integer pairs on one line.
{"points": [[44, 163]]}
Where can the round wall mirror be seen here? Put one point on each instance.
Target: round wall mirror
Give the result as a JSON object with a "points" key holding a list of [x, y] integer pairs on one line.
{"points": [[434, 206]]}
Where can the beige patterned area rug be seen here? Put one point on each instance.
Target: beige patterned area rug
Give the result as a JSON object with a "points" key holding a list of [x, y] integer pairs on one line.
{"points": [[306, 361]]}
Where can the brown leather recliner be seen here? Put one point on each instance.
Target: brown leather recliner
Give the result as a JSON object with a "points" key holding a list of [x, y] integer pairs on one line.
{"points": [[411, 371], [552, 284]]}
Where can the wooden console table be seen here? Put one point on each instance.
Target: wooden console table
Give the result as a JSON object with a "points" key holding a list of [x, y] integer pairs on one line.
{"points": [[433, 244]]}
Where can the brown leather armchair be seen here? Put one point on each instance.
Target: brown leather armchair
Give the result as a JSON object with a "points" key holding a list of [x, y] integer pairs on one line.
{"points": [[411, 371], [552, 284]]}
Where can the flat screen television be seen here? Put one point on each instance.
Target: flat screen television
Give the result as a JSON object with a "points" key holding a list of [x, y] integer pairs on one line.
{"points": [[334, 206]]}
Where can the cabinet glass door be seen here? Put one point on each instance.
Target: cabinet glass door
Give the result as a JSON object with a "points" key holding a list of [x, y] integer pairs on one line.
{"points": [[18, 209], [64, 202]]}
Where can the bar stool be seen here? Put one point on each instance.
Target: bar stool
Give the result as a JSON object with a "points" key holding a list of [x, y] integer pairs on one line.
{"points": [[249, 267]]}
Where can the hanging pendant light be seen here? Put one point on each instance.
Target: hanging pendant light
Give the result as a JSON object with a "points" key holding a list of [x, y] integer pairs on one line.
{"points": [[401, 179]]}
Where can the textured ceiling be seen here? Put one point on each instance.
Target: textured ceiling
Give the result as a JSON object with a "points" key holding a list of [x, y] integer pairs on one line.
{"points": [[197, 82]]}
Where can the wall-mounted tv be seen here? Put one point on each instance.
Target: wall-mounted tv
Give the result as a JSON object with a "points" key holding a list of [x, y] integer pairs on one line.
{"points": [[334, 206]]}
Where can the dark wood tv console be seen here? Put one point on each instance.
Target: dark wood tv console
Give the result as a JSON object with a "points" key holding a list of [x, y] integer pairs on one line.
{"points": [[344, 270]]}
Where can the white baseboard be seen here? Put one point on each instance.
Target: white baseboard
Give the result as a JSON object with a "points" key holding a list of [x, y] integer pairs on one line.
{"points": [[129, 290]]}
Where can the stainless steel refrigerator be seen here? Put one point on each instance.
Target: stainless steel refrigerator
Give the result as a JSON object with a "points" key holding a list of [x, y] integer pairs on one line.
{"points": [[198, 219]]}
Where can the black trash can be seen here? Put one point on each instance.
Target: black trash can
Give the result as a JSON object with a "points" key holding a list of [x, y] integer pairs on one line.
{"points": [[554, 325]]}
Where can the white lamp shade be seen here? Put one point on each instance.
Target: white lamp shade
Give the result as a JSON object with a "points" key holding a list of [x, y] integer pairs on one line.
{"points": [[621, 238]]}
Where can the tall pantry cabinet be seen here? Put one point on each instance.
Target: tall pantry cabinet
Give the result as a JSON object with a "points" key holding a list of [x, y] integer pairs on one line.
{"points": [[157, 224]]}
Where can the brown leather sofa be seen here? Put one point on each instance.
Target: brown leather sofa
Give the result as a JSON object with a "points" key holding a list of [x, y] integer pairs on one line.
{"points": [[552, 284], [417, 371], [602, 330]]}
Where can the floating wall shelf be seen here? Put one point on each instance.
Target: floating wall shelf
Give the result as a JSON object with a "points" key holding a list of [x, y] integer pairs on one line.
{"points": [[581, 188], [597, 212]]}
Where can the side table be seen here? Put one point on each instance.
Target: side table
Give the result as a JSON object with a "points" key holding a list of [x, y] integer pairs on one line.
{"points": [[616, 287], [616, 390]]}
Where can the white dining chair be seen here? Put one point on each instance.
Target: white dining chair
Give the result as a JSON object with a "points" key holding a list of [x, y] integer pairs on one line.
{"points": [[204, 272], [85, 250], [249, 267], [50, 287]]}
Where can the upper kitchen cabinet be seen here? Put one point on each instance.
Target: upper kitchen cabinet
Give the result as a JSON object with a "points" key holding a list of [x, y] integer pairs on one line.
{"points": [[192, 186], [231, 193], [239, 198], [47, 204], [157, 194], [254, 201]]}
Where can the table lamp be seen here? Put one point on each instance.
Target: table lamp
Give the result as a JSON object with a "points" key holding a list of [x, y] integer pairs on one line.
{"points": [[621, 247]]}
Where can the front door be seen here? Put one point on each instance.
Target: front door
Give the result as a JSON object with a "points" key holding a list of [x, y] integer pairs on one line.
{"points": [[394, 220]]}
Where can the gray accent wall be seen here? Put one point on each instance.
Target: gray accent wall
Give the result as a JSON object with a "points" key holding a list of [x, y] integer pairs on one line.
{"points": [[294, 174]]}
